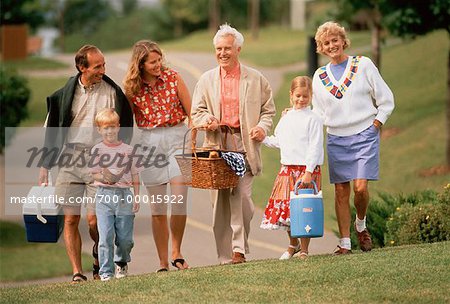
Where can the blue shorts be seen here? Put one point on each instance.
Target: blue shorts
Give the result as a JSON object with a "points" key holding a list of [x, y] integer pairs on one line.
{"points": [[355, 156]]}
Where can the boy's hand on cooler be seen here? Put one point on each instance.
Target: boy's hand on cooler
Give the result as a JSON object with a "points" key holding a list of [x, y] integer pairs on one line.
{"points": [[136, 206], [212, 123], [257, 133]]}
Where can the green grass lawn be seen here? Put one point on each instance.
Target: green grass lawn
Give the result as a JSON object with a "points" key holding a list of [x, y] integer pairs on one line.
{"points": [[409, 274], [20, 260], [276, 46], [34, 63], [37, 107]]}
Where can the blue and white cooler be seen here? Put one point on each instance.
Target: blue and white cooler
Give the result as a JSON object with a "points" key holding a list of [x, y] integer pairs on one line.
{"points": [[306, 208], [43, 218]]}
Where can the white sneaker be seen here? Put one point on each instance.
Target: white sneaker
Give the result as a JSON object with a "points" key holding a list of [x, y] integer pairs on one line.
{"points": [[121, 272], [287, 255], [105, 278]]}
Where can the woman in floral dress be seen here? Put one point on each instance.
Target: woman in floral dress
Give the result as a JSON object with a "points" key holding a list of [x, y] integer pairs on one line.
{"points": [[161, 104]]}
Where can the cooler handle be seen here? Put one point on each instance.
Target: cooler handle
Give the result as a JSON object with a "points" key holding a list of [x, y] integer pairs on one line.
{"points": [[297, 184]]}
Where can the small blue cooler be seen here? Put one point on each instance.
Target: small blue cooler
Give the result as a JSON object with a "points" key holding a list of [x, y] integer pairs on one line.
{"points": [[306, 212], [43, 218]]}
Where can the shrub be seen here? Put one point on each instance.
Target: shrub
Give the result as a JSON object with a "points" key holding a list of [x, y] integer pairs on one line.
{"points": [[382, 209], [14, 95], [444, 197], [427, 223]]}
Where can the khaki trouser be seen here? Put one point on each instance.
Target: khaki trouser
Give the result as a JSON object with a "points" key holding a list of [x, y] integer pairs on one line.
{"points": [[232, 212]]}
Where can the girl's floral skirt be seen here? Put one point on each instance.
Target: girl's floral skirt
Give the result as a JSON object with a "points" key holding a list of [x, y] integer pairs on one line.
{"points": [[277, 212]]}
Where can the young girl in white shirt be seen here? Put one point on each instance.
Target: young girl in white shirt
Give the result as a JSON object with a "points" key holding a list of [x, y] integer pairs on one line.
{"points": [[299, 136]]}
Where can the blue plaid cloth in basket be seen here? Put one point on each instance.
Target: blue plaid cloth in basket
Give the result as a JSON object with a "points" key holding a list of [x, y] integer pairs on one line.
{"points": [[236, 161]]}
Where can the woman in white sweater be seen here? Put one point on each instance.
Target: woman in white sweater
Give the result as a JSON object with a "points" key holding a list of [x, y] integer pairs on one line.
{"points": [[299, 136], [354, 102]]}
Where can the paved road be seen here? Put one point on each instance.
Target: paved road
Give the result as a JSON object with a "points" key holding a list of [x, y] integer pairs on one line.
{"points": [[198, 244]]}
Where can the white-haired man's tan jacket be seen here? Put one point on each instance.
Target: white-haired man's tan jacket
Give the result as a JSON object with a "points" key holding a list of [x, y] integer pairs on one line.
{"points": [[233, 209]]}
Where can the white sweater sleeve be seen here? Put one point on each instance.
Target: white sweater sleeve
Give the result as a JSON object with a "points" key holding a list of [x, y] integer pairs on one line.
{"points": [[381, 93], [271, 141], [314, 155]]}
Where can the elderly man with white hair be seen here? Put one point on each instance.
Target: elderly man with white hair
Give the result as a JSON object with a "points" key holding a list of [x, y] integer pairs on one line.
{"points": [[240, 97]]}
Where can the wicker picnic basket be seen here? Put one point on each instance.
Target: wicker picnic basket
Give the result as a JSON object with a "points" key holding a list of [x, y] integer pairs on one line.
{"points": [[204, 168]]}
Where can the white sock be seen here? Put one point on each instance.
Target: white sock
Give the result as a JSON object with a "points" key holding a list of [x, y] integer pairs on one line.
{"points": [[360, 224], [346, 243]]}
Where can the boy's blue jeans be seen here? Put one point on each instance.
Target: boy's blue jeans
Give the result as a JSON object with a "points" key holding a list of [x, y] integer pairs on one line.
{"points": [[115, 221]]}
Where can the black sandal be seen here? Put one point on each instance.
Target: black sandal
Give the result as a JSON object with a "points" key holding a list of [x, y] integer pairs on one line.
{"points": [[162, 270], [176, 261], [78, 278]]}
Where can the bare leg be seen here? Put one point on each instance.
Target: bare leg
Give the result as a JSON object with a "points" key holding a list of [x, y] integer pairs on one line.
{"points": [[178, 218], [342, 206], [293, 244], [304, 244], [72, 238], [292, 241], [361, 189], [160, 228], [161, 237]]}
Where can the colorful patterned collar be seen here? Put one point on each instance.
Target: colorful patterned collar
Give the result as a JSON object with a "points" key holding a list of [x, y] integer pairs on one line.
{"points": [[339, 92]]}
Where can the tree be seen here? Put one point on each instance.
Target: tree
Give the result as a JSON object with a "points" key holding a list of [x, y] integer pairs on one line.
{"points": [[84, 16], [16, 18], [419, 17], [186, 11], [14, 95], [214, 15], [129, 6], [369, 11], [253, 11], [21, 11]]}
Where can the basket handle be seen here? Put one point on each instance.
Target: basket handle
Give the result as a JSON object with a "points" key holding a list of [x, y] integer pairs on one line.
{"points": [[298, 183], [193, 141], [194, 131]]}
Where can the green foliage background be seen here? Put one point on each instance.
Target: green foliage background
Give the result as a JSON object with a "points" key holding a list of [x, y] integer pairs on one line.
{"points": [[14, 95]]}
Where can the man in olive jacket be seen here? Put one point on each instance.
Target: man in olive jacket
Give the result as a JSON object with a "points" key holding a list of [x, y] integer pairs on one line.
{"points": [[70, 134]]}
